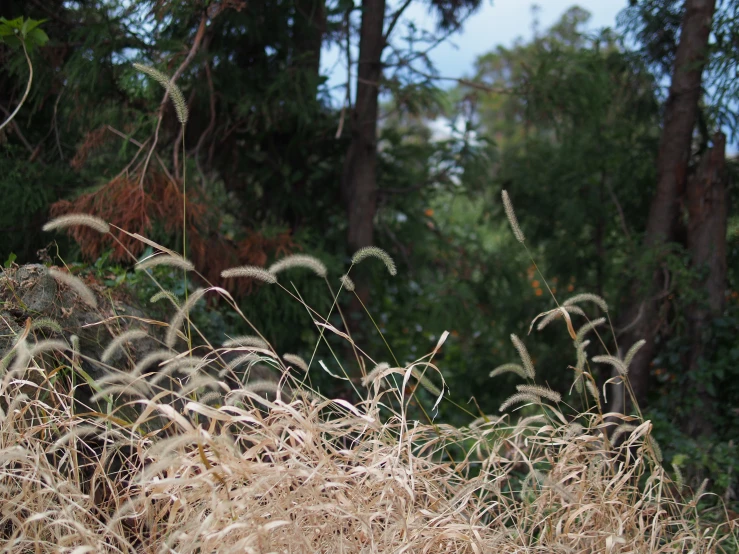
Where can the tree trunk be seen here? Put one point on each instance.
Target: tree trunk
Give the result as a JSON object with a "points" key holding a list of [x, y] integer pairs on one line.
{"points": [[359, 179], [642, 317], [707, 221]]}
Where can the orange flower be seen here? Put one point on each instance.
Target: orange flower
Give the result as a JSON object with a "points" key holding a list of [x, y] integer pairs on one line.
{"points": [[535, 284], [538, 292], [429, 212]]}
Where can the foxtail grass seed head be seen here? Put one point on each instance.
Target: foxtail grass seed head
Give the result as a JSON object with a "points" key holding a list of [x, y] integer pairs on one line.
{"points": [[245, 341], [212, 398], [582, 355], [700, 492], [152, 361], [76, 284], [586, 328], [510, 368], [178, 99], [621, 430], [120, 340], [557, 314], [426, 383], [593, 390], [243, 359], [22, 357], [587, 297], [577, 383], [543, 392], [347, 282], [518, 398], [528, 364], [262, 386], [656, 448], [574, 430], [632, 352], [47, 346], [296, 361], [372, 375], [250, 271], [72, 220], [512, 217], [374, 252], [169, 295], [679, 480], [179, 318], [47, 324], [582, 358], [165, 260], [618, 365], [185, 366], [299, 260]]}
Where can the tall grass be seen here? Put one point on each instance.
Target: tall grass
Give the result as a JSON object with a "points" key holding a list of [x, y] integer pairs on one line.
{"points": [[180, 452]]}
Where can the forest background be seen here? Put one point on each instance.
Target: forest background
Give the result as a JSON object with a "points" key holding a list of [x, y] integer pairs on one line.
{"points": [[612, 145]]}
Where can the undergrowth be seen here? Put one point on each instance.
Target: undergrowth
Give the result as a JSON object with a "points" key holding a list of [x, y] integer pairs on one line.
{"points": [[193, 449], [196, 447]]}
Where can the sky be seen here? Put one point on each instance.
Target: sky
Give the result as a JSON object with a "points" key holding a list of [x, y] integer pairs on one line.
{"points": [[496, 22]]}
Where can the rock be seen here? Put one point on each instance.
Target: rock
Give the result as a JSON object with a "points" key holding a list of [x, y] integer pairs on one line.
{"points": [[29, 294]]}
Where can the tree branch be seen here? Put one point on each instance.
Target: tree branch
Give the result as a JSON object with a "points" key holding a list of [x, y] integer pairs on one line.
{"points": [[18, 131], [191, 54], [212, 123], [395, 19], [28, 87]]}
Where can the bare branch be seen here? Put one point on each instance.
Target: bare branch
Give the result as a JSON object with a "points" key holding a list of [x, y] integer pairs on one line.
{"points": [[191, 54], [28, 88], [395, 19], [18, 131]]}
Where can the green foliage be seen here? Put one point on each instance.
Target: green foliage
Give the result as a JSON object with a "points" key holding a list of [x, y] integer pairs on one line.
{"points": [[9, 262], [28, 189], [567, 123], [22, 31], [576, 125]]}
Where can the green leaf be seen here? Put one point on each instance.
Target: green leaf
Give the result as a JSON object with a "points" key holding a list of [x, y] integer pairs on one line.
{"points": [[11, 258], [16, 23], [37, 37], [31, 24], [12, 41], [14, 32]]}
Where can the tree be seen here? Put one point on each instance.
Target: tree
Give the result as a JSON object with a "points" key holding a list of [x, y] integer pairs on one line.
{"points": [[707, 205], [575, 121], [309, 29], [359, 177], [574, 118], [640, 318]]}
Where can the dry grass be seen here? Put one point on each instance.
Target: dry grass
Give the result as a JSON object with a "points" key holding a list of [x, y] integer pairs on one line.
{"points": [[171, 459]]}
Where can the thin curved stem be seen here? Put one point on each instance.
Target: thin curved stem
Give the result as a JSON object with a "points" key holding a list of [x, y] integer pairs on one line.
{"points": [[28, 88]]}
